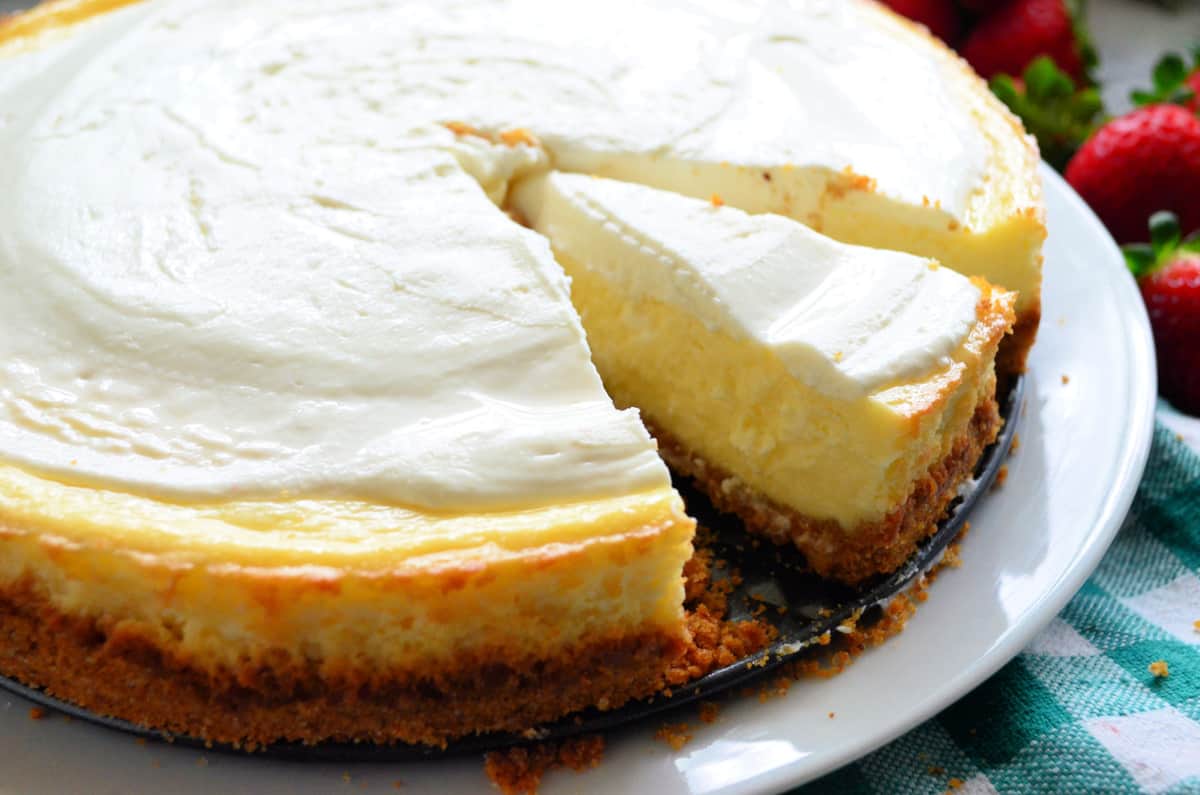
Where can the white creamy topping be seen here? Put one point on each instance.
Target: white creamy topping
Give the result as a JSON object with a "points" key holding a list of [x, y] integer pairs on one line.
{"points": [[762, 277], [242, 254]]}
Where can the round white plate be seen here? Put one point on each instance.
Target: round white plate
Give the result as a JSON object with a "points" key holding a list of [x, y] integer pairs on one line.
{"points": [[1085, 435]]}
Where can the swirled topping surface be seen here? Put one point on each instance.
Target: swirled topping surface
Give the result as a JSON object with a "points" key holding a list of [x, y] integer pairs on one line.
{"points": [[255, 248]]}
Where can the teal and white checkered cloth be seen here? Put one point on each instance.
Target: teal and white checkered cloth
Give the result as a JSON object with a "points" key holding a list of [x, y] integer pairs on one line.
{"points": [[1079, 710]]}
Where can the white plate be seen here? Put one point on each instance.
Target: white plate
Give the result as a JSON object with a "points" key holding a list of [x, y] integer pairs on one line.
{"points": [[1084, 437]]}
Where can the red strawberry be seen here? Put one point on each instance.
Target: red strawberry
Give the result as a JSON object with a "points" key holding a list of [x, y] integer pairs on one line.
{"points": [[940, 16], [1137, 164], [1168, 273], [982, 6], [1175, 82], [1009, 38]]}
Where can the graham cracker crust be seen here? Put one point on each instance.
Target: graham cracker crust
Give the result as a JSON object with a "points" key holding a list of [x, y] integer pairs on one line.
{"points": [[871, 548], [119, 672], [1013, 354]]}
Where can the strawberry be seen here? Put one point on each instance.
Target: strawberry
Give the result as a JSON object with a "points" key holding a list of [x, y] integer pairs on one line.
{"points": [[1175, 82], [1055, 111], [1006, 40], [1139, 163], [1168, 273], [981, 6], [940, 16]]}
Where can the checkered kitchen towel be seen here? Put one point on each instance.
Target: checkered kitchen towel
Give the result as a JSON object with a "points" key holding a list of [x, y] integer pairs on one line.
{"points": [[1079, 710]]}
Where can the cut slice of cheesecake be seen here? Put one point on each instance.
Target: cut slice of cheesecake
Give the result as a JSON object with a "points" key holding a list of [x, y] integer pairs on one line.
{"points": [[831, 395]]}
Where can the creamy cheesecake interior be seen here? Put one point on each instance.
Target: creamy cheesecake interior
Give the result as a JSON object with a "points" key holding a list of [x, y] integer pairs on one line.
{"points": [[301, 436], [811, 386]]}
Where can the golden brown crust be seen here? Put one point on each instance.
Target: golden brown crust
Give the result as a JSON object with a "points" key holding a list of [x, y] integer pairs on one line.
{"points": [[870, 548], [116, 671], [519, 770], [1013, 355]]}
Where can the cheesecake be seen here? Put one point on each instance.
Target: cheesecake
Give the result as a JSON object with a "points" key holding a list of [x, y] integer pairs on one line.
{"points": [[833, 396], [302, 436]]}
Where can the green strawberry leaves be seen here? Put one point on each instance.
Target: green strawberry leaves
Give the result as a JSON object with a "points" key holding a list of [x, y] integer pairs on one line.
{"points": [[1166, 240], [1139, 258], [1058, 113], [1170, 81]]}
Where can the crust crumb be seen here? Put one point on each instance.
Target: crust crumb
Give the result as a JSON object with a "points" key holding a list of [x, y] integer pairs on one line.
{"points": [[519, 771], [1001, 477], [460, 128], [675, 735], [37, 713], [955, 783], [708, 711], [514, 137], [856, 181], [1159, 669], [850, 645], [1066, 379], [518, 136], [715, 642], [716, 200]]}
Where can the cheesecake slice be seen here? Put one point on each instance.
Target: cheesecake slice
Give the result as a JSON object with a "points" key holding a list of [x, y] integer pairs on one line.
{"points": [[833, 396]]}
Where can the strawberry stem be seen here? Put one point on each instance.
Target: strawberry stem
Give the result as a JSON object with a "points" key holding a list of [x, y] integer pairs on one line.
{"points": [[1170, 81], [1139, 258], [1166, 240], [1057, 112], [1164, 233]]}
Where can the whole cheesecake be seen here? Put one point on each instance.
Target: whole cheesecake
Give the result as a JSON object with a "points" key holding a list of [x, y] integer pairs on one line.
{"points": [[300, 432]]}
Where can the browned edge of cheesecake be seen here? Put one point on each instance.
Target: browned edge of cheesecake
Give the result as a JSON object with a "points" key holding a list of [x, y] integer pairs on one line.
{"points": [[117, 671], [1013, 355]]}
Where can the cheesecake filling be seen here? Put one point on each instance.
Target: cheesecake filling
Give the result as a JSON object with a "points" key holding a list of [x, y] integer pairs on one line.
{"points": [[244, 299], [868, 365]]}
